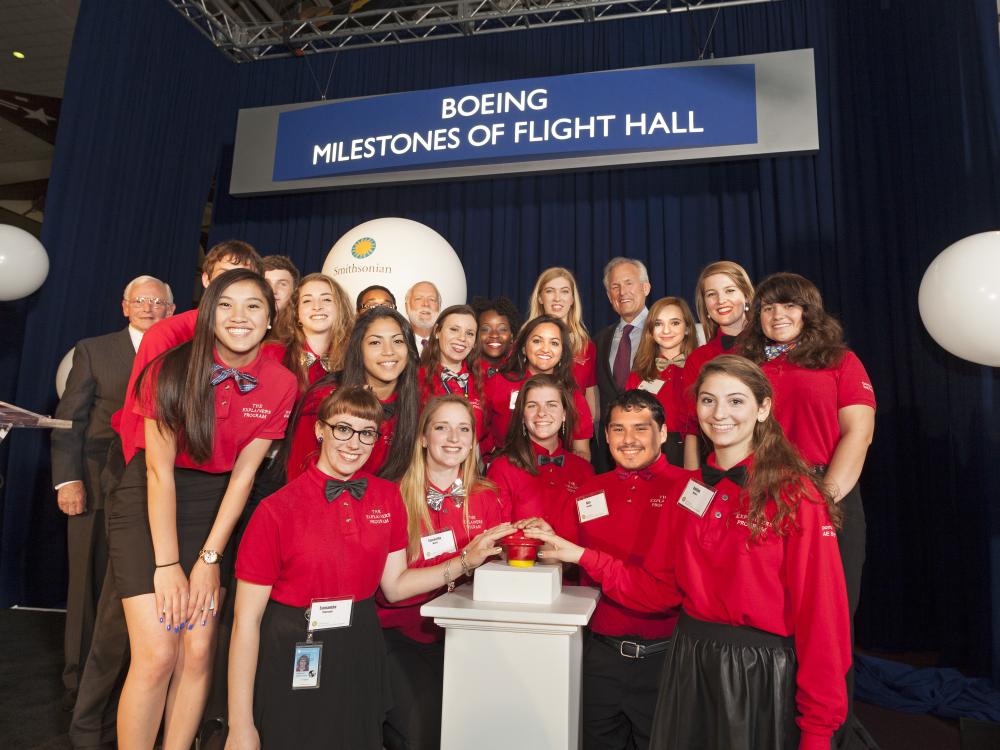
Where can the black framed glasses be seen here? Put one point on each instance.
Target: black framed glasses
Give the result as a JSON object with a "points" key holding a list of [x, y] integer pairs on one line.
{"points": [[344, 432]]}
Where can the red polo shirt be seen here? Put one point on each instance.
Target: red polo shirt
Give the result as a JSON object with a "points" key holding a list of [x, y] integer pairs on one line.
{"points": [[689, 376], [669, 393], [637, 507], [806, 402], [436, 387], [791, 585], [240, 418], [306, 548], [484, 512], [548, 494], [585, 366]]}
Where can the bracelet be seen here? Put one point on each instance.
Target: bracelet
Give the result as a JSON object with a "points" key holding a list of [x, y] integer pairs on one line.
{"points": [[465, 564], [167, 565], [447, 577]]}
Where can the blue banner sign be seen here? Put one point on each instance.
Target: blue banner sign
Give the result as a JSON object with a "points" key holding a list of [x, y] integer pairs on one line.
{"points": [[587, 114]]}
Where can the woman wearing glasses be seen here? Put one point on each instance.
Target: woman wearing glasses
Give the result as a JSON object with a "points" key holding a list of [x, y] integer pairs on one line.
{"points": [[309, 565]]}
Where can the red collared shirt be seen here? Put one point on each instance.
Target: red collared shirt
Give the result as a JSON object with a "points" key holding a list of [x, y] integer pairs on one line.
{"points": [[585, 366], [436, 387], [306, 548], [670, 395], [806, 402], [240, 418], [791, 585], [548, 494], [484, 512], [689, 376], [637, 507]]}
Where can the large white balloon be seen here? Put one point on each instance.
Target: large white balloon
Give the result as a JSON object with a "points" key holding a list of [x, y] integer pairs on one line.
{"points": [[396, 253], [62, 372], [24, 263], [959, 299]]}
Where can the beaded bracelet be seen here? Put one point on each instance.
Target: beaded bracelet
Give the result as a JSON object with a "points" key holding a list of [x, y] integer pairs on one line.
{"points": [[447, 577]]}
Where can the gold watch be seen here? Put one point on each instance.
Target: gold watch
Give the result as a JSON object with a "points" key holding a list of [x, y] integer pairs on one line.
{"points": [[209, 556]]}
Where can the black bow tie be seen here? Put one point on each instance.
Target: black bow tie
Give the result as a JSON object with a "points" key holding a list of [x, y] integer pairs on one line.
{"points": [[557, 460], [713, 475], [336, 487], [388, 409], [727, 342]]}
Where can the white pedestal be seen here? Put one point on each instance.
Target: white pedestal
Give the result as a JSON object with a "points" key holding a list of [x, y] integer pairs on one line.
{"points": [[499, 582], [511, 671]]}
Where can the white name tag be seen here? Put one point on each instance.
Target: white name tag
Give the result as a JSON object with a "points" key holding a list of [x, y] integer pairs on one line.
{"points": [[591, 507], [696, 497], [652, 386], [513, 400], [325, 614], [441, 543]]}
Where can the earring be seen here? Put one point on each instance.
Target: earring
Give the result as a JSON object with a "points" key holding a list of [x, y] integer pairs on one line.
{"points": [[319, 439], [746, 307], [269, 326]]}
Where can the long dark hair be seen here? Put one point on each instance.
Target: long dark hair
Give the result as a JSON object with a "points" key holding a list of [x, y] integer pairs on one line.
{"points": [[821, 343], [430, 358], [407, 410], [516, 366], [778, 471], [517, 447], [185, 400]]}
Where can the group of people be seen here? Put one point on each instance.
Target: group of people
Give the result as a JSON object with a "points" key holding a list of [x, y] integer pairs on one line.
{"points": [[339, 464]]}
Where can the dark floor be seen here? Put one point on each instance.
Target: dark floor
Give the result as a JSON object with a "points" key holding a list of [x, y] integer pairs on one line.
{"points": [[32, 716]]}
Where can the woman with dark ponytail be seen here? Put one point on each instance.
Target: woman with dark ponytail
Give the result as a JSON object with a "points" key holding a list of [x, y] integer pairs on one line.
{"points": [[211, 407], [749, 553]]}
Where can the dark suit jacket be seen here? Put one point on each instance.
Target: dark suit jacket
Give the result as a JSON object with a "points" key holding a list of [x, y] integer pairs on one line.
{"points": [[95, 389], [607, 389]]}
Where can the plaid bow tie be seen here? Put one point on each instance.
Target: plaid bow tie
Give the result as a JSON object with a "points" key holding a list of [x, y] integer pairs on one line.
{"points": [[308, 358], [557, 460], [244, 382], [335, 488], [772, 351], [629, 474], [712, 475], [447, 376], [456, 492]]}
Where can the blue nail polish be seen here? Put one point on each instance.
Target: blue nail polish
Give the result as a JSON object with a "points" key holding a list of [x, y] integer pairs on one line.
{"points": [[168, 628], [177, 628], [161, 621], [191, 626]]}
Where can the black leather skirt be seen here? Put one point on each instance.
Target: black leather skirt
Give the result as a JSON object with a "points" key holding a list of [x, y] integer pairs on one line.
{"points": [[726, 687]]}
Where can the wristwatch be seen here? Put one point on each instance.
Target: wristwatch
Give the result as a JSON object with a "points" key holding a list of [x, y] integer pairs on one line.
{"points": [[209, 556]]}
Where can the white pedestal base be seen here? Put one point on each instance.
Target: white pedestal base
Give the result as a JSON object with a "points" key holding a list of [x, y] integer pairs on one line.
{"points": [[511, 671]]}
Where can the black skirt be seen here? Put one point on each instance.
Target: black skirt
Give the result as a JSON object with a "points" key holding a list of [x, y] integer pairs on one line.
{"points": [[130, 545], [726, 687], [346, 711], [673, 449]]}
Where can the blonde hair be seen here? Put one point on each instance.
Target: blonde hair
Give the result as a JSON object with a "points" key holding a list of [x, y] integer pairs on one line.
{"points": [[734, 271], [645, 356], [578, 335], [413, 485], [290, 331]]}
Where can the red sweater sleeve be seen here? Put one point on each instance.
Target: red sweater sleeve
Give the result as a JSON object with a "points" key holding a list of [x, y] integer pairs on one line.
{"points": [[817, 600], [644, 590]]}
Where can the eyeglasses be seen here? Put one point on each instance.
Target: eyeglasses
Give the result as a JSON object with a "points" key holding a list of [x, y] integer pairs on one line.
{"points": [[373, 305], [344, 432], [156, 302]]}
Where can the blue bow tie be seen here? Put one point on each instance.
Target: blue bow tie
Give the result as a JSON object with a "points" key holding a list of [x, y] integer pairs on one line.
{"points": [[463, 380], [773, 351], [244, 382]]}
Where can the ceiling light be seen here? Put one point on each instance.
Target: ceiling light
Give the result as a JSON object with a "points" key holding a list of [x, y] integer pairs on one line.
{"points": [[18, 55]]}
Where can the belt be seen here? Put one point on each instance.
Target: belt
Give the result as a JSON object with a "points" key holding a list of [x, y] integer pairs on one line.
{"points": [[631, 649]]}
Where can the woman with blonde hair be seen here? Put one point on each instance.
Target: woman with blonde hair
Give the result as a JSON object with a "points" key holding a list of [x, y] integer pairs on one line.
{"points": [[556, 294], [722, 296], [668, 338], [316, 325], [447, 506]]}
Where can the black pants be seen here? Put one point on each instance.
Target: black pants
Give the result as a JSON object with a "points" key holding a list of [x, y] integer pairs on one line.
{"points": [[416, 672], [851, 540], [619, 697]]}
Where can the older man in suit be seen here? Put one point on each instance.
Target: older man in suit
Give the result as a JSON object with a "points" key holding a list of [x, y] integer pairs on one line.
{"points": [[95, 389], [626, 282]]}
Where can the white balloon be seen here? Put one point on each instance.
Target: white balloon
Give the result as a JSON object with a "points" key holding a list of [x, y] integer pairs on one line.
{"points": [[24, 263], [62, 372], [959, 299], [396, 253]]}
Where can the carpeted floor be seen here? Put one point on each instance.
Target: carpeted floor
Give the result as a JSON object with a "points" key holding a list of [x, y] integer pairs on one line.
{"points": [[32, 716]]}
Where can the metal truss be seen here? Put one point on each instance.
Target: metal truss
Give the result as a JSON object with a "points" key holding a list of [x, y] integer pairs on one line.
{"points": [[244, 37]]}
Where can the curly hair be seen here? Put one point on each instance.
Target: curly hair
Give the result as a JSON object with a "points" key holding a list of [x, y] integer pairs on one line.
{"points": [[821, 343], [502, 305]]}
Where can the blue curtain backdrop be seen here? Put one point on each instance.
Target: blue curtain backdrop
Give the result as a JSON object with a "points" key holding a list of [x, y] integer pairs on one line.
{"points": [[909, 153]]}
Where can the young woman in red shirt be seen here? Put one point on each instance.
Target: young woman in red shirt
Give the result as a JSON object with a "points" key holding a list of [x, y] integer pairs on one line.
{"points": [[748, 550], [556, 294], [316, 323], [537, 474], [211, 408], [722, 296], [499, 322], [668, 338], [447, 505], [309, 565]]}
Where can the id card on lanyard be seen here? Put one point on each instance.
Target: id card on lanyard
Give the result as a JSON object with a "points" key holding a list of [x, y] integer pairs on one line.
{"points": [[323, 614]]}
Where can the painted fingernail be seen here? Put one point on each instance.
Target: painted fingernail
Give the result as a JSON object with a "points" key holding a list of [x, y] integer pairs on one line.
{"points": [[161, 621], [168, 628], [177, 628], [191, 626]]}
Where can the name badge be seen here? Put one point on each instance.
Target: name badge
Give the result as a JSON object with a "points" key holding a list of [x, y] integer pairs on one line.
{"points": [[325, 614], [306, 665], [651, 386], [513, 400], [696, 497], [441, 543], [591, 507]]}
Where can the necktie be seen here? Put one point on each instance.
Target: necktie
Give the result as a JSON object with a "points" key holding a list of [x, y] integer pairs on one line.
{"points": [[773, 351], [423, 343], [447, 376], [713, 475], [626, 474], [557, 460], [244, 382], [308, 358], [353, 487], [623, 358], [456, 492]]}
